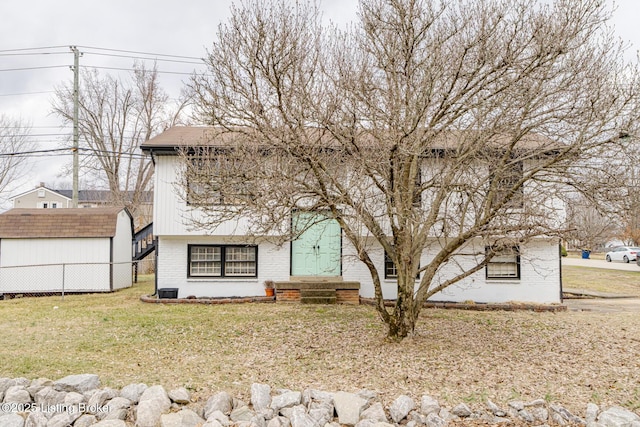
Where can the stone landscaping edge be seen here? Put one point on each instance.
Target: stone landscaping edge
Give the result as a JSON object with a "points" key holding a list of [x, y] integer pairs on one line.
{"points": [[367, 301], [79, 401]]}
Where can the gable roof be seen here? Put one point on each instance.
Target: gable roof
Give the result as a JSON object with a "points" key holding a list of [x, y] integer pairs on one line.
{"points": [[102, 196], [189, 136], [52, 223], [39, 188]]}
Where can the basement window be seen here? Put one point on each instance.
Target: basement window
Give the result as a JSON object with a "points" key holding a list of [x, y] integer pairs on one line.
{"points": [[505, 264], [222, 261]]}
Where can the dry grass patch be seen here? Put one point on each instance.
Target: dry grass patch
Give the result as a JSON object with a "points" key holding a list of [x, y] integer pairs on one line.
{"points": [[602, 280], [456, 356]]}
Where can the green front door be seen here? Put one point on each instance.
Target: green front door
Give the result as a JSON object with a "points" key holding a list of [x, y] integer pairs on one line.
{"points": [[317, 251]]}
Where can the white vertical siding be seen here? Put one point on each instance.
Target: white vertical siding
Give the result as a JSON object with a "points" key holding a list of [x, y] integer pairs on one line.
{"points": [[122, 248], [171, 215]]}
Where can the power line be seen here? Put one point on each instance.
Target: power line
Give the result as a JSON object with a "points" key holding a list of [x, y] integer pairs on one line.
{"points": [[34, 48], [27, 93], [145, 58], [35, 68], [141, 53], [131, 69], [34, 53]]}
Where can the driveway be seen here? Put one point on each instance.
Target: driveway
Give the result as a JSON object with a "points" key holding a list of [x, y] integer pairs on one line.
{"points": [[604, 305], [597, 263]]}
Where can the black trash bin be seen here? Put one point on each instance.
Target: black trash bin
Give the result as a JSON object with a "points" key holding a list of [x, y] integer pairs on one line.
{"points": [[167, 293]]}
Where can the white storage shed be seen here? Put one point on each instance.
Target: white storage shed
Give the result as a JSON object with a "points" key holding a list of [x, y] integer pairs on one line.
{"points": [[65, 250]]}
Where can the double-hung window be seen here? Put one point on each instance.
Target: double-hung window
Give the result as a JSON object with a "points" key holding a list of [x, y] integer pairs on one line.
{"points": [[223, 261], [505, 263]]}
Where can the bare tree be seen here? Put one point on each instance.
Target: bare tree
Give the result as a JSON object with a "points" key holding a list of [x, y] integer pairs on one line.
{"points": [[588, 227], [446, 129], [15, 149], [115, 117]]}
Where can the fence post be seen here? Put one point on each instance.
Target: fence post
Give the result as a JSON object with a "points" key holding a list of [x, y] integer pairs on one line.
{"points": [[63, 272]]}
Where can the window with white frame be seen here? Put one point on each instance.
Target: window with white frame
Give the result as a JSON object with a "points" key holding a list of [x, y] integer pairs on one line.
{"points": [[505, 263], [223, 261]]}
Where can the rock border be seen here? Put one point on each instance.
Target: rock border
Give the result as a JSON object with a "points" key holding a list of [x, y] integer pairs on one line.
{"points": [[78, 401]]}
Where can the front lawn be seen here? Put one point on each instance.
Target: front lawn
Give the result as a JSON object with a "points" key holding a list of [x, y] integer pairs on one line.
{"points": [[456, 356]]}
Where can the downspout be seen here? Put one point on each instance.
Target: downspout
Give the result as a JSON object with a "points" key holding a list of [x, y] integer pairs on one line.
{"points": [[560, 266], [111, 264], [155, 276]]}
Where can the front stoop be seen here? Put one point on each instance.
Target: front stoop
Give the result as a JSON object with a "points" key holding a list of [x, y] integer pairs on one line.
{"points": [[318, 292]]}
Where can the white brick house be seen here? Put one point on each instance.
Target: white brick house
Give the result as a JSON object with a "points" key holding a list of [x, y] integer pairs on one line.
{"points": [[227, 263]]}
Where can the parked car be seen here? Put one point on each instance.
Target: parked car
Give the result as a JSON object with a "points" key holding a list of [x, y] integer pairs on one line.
{"points": [[623, 253]]}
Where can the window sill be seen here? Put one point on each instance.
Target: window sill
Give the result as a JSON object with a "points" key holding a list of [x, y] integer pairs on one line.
{"points": [[503, 281]]}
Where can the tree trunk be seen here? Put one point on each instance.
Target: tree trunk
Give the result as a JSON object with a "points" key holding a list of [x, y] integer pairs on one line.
{"points": [[402, 322]]}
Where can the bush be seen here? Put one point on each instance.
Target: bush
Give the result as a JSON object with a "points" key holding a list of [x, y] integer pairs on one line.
{"points": [[563, 251]]}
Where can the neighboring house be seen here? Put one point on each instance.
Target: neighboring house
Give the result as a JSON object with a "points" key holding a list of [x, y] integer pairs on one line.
{"points": [[226, 262], [41, 197], [44, 197], [65, 250]]}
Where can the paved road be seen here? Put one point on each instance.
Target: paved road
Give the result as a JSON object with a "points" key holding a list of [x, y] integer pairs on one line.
{"points": [[596, 263]]}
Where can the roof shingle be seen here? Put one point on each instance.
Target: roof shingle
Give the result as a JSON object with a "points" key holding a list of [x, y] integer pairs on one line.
{"points": [[57, 223]]}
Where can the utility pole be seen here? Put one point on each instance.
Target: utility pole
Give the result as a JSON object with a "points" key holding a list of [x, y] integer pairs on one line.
{"points": [[76, 137]]}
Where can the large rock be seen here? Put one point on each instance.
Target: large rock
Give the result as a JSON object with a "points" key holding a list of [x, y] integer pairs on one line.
{"points": [[461, 410], [321, 412], [133, 391], [184, 418], [401, 407], [17, 394], [348, 406], [153, 403], [279, 422], [180, 395], [434, 420], [429, 405], [260, 396], [222, 402], [85, 420], [288, 399], [73, 398], [35, 419], [300, 418], [78, 383], [375, 412], [116, 409], [311, 394], [11, 420], [64, 419], [242, 413], [218, 416], [591, 413], [618, 417], [97, 400], [110, 423]]}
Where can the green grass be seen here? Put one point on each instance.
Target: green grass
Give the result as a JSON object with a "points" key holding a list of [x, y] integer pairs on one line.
{"points": [[602, 280]]}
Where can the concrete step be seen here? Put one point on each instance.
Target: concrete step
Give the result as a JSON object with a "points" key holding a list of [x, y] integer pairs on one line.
{"points": [[318, 300]]}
